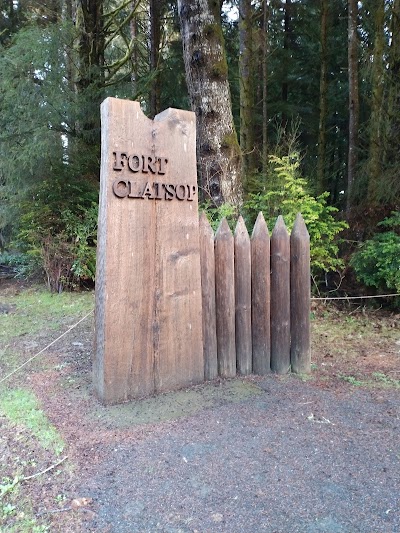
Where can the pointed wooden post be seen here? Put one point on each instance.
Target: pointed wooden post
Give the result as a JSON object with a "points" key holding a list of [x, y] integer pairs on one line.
{"points": [[260, 290], [207, 263], [243, 298], [280, 298], [225, 300], [300, 289]]}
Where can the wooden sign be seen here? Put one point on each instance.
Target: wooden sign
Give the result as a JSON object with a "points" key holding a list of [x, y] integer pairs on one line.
{"points": [[148, 283]]}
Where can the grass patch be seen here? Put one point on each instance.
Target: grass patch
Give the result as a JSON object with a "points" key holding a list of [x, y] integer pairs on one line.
{"points": [[18, 490], [27, 525], [380, 377], [333, 323], [16, 514], [377, 379], [353, 380], [21, 407], [36, 308]]}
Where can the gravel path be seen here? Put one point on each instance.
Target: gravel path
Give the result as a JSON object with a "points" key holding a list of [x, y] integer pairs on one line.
{"points": [[292, 458]]}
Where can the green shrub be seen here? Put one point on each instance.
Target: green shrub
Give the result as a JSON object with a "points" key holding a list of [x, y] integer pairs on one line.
{"points": [[58, 230], [287, 196], [377, 261], [21, 265], [84, 231], [216, 213]]}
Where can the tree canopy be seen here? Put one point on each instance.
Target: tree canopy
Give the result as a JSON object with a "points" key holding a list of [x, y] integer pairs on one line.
{"points": [[267, 79]]}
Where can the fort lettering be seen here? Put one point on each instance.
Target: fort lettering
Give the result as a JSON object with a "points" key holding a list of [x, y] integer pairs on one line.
{"points": [[127, 188], [139, 163]]}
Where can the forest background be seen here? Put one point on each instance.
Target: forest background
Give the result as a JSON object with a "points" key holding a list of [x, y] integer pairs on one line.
{"points": [[297, 106]]}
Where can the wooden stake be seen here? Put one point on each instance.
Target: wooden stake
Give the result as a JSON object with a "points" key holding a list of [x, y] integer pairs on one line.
{"points": [[243, 298], [225, 300], [207, 262], [261, 296], [300, 289], [280, 298]]}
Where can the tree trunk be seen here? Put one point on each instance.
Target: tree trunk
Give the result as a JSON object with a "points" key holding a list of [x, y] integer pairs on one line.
{"points": [[246, 79], [323, 98], [286, 48], [265, 86], [133, 29], [89, 23], [376, 141], [90, 43], [218, 152], [155, 42], [89, 75], [353, 99], [393, 133]]}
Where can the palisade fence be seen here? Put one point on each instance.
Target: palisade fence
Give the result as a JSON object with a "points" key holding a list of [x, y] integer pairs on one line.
{"points": [[256, 298]]}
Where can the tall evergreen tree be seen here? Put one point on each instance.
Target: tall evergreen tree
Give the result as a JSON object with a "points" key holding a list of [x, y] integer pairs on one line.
{"points": [[247, 73], [265, 53], [323, 98], [376, 127], [354, 103], [391, 185]]}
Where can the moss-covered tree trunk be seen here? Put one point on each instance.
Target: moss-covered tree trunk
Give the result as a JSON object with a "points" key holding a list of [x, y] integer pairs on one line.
{"points": [[376, 139], [354, 103], [392, 182], [155, 43], [265, 49], [323, 98], [89, 24], [133, 30], [90, 45], [247, 91], [218, 152]]}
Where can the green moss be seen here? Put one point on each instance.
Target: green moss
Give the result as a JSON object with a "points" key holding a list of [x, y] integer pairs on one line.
{"points": [[219, 69], [215, 8], [230, 142], [214, 31], [177, 404]]}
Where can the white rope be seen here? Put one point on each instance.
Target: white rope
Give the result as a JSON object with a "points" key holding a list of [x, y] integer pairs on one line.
{"points": [[90, 312], [46, 347], [355, 297]]}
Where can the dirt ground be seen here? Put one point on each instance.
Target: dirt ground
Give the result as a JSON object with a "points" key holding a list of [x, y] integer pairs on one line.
{"points": [[278, 454]]}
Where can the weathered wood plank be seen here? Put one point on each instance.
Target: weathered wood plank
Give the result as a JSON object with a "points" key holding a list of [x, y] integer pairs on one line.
{"points": [[261, 297], [148, 286], [207, 262], [225, 300], [243, 298], [280, 298], [300, 294], [178, 359], [121, 315]]}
